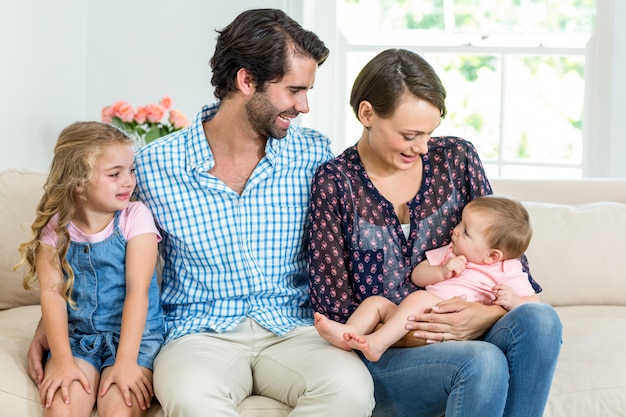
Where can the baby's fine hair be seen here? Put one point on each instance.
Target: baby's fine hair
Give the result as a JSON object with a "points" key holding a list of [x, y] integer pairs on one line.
{"points": [[509, 230], [77, 149]]}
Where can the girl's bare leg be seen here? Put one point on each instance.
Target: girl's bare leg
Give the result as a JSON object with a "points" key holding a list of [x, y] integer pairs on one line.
{"points": [[113, 403], [81, 403]]}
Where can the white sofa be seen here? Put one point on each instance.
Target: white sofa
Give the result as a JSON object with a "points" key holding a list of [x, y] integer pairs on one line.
{"points": [[578, 255]]}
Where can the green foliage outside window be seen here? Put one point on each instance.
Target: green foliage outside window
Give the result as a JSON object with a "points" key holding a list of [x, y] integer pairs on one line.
{"points": [[486, 17], [541, 117]]}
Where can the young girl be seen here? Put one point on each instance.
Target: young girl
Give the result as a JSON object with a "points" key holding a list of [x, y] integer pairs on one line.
{"points": [[94, 253]]}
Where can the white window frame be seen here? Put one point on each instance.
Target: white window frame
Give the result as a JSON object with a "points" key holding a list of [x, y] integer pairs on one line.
{"points": [[604, 125]]}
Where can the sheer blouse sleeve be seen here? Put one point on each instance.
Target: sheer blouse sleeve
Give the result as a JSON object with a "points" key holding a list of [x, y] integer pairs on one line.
{"points": [[330, 289]]}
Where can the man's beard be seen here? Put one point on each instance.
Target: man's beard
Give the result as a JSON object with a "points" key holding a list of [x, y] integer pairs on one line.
{"points": [[262, 116]]}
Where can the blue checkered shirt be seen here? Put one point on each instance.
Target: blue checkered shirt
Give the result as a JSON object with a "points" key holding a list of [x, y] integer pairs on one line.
{"points": [[230, 256]]}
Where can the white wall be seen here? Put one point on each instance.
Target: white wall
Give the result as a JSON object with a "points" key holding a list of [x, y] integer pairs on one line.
{"points": [[142, 49], [616, 166], [604, 123], [63, 60], [42, 76]]}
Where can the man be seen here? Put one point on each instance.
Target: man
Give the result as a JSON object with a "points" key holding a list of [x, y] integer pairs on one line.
{"points": [[231, 194]]}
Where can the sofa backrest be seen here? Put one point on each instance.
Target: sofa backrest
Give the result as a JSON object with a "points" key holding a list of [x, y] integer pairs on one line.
{"points": [[579, 230], [20, 191], [575, 254], [588, 190]]}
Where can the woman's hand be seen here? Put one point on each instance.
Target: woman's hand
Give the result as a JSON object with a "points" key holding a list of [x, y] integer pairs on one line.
{"points": [[38, 346], [454, 319]]}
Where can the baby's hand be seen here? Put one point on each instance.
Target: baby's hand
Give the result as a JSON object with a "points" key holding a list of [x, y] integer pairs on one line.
{"points": [[505, 296], [455, 266]]}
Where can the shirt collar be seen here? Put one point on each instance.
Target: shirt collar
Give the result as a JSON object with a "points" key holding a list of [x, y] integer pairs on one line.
{"points": [[199, 154]]}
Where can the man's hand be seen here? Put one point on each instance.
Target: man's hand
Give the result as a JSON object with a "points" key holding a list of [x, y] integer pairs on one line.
{"points": [[454, 319], [38, 346]]}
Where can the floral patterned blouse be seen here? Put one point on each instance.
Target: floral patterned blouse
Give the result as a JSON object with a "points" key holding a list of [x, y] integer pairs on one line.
{"points": [[356, 244]]}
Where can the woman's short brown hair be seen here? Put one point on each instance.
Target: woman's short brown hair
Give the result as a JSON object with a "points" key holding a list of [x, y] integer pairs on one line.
{"points": [[390, 74]]}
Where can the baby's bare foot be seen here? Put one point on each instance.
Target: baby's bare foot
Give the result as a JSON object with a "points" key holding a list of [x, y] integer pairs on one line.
{"points": [[362, 343], [331, 331]]}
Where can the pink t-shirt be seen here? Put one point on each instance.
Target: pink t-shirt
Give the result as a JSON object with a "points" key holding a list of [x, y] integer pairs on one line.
{"points": [[477, 280], [134, 220]]}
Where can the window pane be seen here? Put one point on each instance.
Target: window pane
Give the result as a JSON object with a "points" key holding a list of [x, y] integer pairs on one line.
{"points": [[513, 70], [473, 99], [354, 62], [529, 17], [543, 109]]}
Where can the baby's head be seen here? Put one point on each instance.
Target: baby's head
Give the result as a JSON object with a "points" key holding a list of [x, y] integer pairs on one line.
{"points": [[504, 222]]}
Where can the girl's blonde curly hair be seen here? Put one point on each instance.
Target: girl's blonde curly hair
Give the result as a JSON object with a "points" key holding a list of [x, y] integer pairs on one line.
{"points": [[77, 149]]}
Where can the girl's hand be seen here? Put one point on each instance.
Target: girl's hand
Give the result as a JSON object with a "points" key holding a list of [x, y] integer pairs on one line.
{"points": [[60, 374], [129, 378]]}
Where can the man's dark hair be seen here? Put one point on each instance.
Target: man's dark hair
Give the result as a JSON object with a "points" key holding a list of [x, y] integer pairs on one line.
{"points": [[261, 41]]}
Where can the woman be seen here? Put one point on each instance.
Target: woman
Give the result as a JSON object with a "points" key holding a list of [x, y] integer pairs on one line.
{"points": [[375, 210]]}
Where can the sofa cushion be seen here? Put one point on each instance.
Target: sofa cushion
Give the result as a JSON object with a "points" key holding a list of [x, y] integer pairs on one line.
{"points": [[589, 378], [20, 191], [568, 245], [18, 392]]}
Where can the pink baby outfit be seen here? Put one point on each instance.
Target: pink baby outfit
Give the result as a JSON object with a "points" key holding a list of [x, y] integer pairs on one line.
{"points": [[477, 281]]}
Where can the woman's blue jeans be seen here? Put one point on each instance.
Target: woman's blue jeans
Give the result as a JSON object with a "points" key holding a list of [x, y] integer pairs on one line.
{"points": [[508, 373]]}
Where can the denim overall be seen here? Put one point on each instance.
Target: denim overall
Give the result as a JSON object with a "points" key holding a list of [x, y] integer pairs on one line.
{"points": [[99, 292]]}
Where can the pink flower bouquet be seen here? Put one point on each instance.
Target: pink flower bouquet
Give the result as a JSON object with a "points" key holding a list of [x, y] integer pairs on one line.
{"points": [[145, 123]]}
